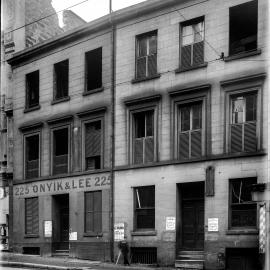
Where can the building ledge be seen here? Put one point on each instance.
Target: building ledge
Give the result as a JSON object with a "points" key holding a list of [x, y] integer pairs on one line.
{"points": [[31, 236], [242, 231], [144, 233], [93, 234], [242, 55], [93, 91], [56, 101], [138, 80], [181, 70], [26, 110]]}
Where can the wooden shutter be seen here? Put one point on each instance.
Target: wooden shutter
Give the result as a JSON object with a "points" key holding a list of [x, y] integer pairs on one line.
{"points": [[152, 65], [149, 149], [186, 57], [92, 140], [60, 164], [250, 138], [97, 211], [196, 143], [89, 211], [141, 67], [184, 145], [138, 150], [236, 138], [32, 169], [31, 216], [198, 53]]}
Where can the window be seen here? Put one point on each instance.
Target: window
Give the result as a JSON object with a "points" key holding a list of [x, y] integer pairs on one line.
{"points": [[61, 80], [192, 49], [146, 55], [93, 76], [93, 145], [144, 207], [243, 123], [190, 131], [243, 211], [32, 89], [32, 156], [60, 150], [243, 27], [143, 137], [93, 211], [31, 216]]}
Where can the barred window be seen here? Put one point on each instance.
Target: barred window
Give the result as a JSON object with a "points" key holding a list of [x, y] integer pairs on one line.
{"points": [[146, 55], [31, 216], [144, 207], [192, 49]]}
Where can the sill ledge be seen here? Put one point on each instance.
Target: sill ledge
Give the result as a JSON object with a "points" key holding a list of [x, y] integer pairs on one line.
{"points": [[55, 101], [137, 80], [93, 234], [242, 55], [144, 233], [26, 110], [31, 236], [92, 91], [180, 70]]}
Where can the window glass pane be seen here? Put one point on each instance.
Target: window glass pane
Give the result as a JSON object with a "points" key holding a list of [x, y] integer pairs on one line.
{"points": [[139, 119], [198, 31], [61, 142], [89, 206], [145, 218], [32, 148], [145, 197], [197, 116], [187, 35], [251, 107], [142, 44], [244, 215], [185, 118], [150, 123], [241, 190], [153, 44], [238, 110]]}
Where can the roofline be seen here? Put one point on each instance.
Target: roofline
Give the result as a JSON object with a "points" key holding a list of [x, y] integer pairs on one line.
{"points": [[92, 27]]}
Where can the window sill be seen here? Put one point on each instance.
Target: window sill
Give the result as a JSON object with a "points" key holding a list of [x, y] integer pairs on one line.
{"points": [[144, 233], [242, 231], [137, 80], [180, 70], [31, 236], [242, 55], [56, 101], [26, 110], [92, 91], [92, 234]]}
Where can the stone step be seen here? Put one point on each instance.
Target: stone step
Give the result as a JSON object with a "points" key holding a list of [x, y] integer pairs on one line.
{"points": [[191, 252], [189, 264], [61, 253], [190, 256]]}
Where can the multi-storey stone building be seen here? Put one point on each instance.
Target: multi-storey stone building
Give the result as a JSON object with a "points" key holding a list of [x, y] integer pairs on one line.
{"points": [[167, 111]]}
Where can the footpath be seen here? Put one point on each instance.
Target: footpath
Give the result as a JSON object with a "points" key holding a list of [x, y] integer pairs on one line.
{"points": [[8, 259]]}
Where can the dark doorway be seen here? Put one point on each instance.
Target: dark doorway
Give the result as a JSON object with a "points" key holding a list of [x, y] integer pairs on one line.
{"points": [[192, 216], [61, 222]]}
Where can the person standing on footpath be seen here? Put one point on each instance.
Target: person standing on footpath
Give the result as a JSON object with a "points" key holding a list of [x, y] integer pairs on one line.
{"points": [[123, 246]]}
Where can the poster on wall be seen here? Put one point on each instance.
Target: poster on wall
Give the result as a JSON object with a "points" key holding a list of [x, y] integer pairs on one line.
{"points": [[47, 228], [170, 223], [73, 236], [212, 224], [119, 231]]}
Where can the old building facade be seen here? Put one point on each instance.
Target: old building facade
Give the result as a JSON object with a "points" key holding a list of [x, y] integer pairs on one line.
{"points": [[164, 106]]}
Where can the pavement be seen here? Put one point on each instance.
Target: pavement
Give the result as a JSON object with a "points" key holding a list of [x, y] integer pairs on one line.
{"points": [[8, 259]]}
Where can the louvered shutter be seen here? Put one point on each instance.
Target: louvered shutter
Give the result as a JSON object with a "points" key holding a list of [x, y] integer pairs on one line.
{"points": [[236, 138], [186, 57], [35, 215], [196, 143], [32, 168], [92, 141], [97, 211], [198, 53], [138, 150], [250, 138], [31, 216], [60, 164], [152, 65], [141, 67], [184, 145], [149, 149]]}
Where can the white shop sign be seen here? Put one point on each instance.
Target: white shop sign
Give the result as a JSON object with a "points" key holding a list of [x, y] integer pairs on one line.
{"points": [[170, 223], [47, 228], [212, 224]]}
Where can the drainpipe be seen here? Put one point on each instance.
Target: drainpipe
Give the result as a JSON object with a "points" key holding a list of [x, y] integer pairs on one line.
{"points": [[112, 133]]}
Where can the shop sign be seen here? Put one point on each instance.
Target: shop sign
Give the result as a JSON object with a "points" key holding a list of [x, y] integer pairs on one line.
{"points": [[170, 223], [73, 236], [119, 231], [47, 228], [212, 224], [65, 185]]}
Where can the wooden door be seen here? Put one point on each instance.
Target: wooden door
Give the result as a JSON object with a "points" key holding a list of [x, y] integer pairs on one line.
{"points": [[193, 224]]}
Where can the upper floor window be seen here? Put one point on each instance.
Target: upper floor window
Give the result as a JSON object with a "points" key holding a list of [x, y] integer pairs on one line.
{"points": [[243, 127], [144, 207], [60, 150], [146, 55], [32, 159], [243, 211], [31, 216], [243, 27], [93, 145], [32, 89], [61, 80], [143, 137], [93, 69], [190, 130], [192, 45]]}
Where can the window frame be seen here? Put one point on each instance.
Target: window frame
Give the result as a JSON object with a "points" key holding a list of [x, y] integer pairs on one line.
{"points": [[137, 41], [25, 217], [84, 123], [101, 213], [230, 227], [148, 208], [55, 99], [27, 92], [25, 136], [55, 128]]}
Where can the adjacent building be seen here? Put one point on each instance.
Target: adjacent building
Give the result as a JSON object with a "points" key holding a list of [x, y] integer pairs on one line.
{"points": [[154, 117]]}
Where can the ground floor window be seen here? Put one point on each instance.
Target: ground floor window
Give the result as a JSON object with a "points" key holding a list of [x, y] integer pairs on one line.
{"points": [[31, 216]]}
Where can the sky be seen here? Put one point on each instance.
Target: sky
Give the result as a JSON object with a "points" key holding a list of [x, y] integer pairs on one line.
{"points": [[91, 9]]}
